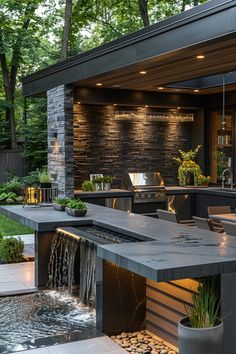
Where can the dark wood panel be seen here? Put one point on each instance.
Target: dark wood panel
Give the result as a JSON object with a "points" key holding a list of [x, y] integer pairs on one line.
{"points": [[163, 69], [166, 305], [13, 162]]}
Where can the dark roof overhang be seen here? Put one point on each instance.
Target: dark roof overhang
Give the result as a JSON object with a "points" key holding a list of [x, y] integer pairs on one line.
{"points": [[211, 24]]}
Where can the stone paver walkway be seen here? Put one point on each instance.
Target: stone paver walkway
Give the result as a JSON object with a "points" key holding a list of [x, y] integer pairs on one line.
{"points": [[28, 240], [100, 345], [16, 278]]}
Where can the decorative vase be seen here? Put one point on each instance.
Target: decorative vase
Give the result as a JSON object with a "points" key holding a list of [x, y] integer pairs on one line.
{"points": [[106, 186], [58, 207], [76, 212], [189, 179], [98, 186], [199, 340]]}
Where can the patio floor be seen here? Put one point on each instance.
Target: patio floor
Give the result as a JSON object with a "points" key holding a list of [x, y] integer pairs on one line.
{"points": [[17, 278], [100, 345]]}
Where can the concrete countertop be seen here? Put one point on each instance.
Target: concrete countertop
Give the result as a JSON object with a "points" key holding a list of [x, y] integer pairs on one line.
{"points": [[176, 252], [170, 190], [113, 193]]}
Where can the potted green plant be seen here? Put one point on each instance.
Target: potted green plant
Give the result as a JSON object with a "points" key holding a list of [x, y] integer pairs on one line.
{"points": [[88, 186], [188, 170], [203, 180], [98, 183], [202, 331], [45, 178], [75, 207], [60, 204], [107, 180]]}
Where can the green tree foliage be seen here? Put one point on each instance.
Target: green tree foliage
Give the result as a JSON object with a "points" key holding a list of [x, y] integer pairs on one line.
{"points": [[36, 33], [35, 133]]}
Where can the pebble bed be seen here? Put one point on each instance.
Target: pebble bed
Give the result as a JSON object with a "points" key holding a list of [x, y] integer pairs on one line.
{"points": [[143, 342]]}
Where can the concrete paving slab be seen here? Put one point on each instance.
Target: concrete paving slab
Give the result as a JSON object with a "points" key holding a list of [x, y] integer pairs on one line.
{"points": [[100, 345], [28, 238], [17, 278]]}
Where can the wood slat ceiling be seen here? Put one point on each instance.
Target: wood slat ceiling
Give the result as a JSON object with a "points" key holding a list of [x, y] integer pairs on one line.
{"points": [[172, 68]]}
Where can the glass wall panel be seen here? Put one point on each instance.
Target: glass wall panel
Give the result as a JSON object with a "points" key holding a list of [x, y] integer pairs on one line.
{"points": [[221, 151]]}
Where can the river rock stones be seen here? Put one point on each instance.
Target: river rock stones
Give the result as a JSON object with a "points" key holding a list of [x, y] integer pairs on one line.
{"points": [[142, 343]]}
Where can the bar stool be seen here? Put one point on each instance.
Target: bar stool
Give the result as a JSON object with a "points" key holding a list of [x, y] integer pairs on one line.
{"points": [[219, 209], [173, 217]]}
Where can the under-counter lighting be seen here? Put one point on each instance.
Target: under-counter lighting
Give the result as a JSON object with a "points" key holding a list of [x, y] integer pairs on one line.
{"points": [[200, 56], [142, 72], [196, 90], [160, 88], [98, 84]]}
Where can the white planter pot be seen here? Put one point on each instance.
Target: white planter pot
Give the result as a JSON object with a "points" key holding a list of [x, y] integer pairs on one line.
{"points": [[98, 186], [106, 186], [200, 340]]}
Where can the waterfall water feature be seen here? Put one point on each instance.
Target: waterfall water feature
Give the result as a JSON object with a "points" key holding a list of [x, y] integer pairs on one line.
{"points": [[72, 265]]}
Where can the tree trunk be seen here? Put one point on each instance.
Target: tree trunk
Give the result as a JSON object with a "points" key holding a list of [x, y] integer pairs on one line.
{"points": [[183, 5], [66, 30], [143, 8], [9, 73]]}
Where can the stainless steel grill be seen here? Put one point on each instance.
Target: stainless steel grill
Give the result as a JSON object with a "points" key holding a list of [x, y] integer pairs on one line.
{"points": [[147, 187]]}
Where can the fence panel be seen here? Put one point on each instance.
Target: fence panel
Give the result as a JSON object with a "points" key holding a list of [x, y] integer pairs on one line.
{"points": [[13, 162]]}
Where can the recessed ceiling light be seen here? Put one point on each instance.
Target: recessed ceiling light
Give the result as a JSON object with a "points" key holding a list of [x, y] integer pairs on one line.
{"points": [[196, 90], [160, 88], [114, 104], [143, 72], [115, 86], [78, 102], [178, 107], [99, 84], [146, 106], [200, 56]]}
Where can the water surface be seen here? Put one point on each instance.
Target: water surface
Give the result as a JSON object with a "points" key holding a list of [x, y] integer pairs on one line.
{"points": [[42, 319]]}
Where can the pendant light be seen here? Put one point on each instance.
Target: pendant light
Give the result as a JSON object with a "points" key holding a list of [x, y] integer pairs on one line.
{"points": [[223, 123], [222, 130]]}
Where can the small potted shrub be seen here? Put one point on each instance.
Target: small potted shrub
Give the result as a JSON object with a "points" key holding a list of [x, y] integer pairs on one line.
{"points": [[107, 180], [98, 183], [203, 180], [45, 179], [75, 207], [60, 204], [88, 186], [202, 331]]}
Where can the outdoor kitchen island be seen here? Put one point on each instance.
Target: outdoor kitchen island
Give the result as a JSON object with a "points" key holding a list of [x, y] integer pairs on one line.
{"points": [[146, 284]]}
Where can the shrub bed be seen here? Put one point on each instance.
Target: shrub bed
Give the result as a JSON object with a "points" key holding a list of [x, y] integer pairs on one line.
{"points": [[11, 249]]}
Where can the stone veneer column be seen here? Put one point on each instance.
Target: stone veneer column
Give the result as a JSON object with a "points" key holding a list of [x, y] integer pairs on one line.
{"points": [[60, 138]]}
